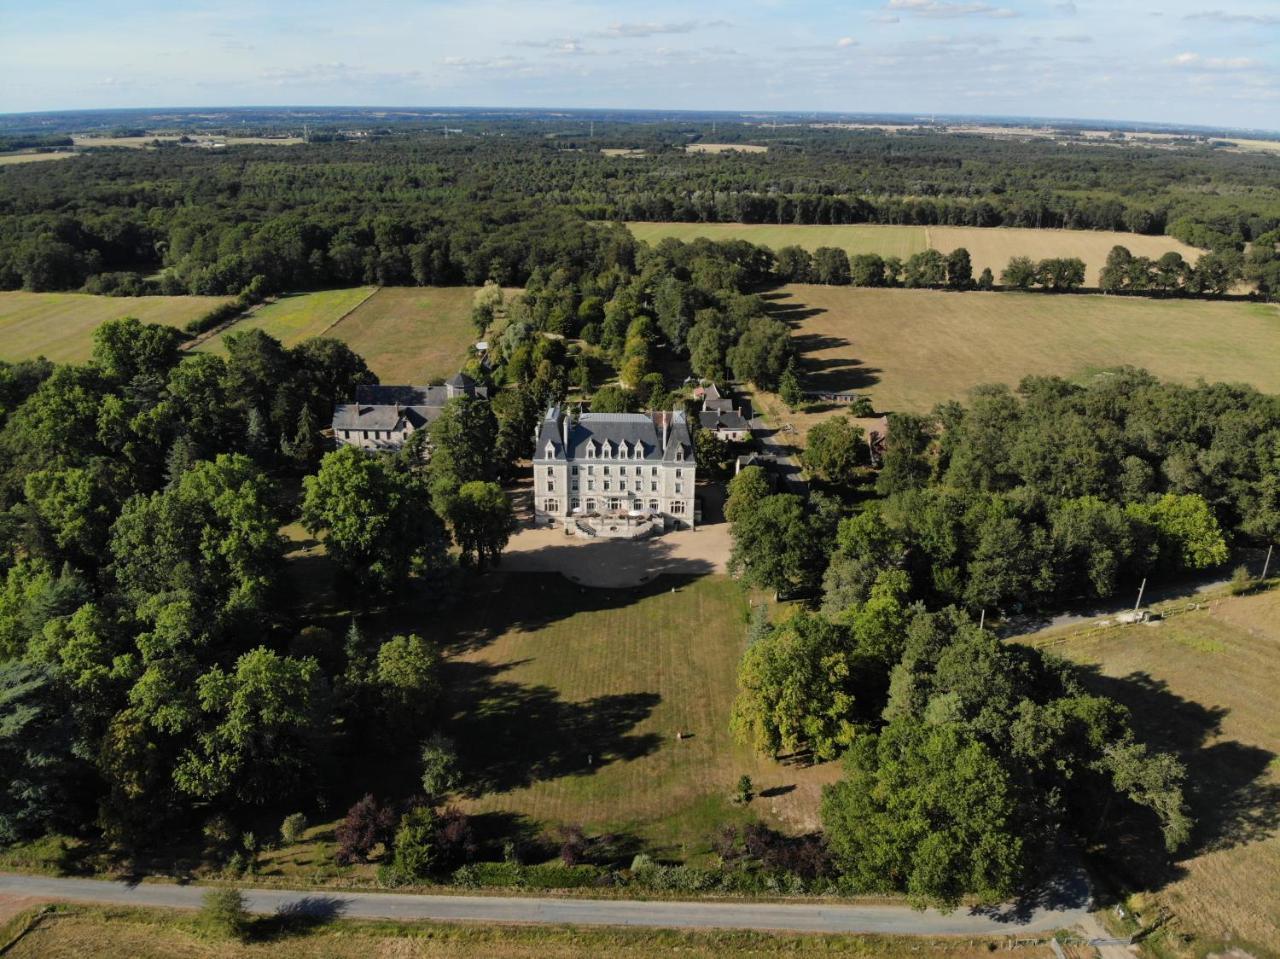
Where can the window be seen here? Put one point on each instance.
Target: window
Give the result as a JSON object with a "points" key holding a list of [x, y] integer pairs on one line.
{"points": [[638, 452], [613, 504], [653, 471], [591, 471], [679, 453], [551, 471], [574, 486], [606, 486], [591, 506], [606, 471], [346, 434], [591, 449], [591, 484], [575, 471], [551, 486], [677, 507], [677, 472], [551, 452], [622, 485], [608, 450], [653, 486], [678, 488], [551, 506], [575, 503]]}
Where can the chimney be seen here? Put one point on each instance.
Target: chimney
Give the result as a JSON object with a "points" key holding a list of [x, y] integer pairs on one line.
{"points": [[664, 433], [566, 435]]}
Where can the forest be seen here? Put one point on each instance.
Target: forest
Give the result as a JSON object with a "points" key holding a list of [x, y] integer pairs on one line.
{"points": [[498, 203]]}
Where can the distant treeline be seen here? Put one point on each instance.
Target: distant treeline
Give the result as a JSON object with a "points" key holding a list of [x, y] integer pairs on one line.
{"points": [[468, 209]]}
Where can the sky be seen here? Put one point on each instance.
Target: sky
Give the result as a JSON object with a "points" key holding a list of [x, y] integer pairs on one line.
{"points": [[1214, 63]]}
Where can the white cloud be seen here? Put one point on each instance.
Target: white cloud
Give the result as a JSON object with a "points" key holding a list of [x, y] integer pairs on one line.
{"points": [[1194, 61], [631, 31], [1223, 16], [943, 9], [844, 42]]}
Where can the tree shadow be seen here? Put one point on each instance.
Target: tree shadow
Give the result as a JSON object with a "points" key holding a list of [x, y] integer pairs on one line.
{"points": [[1227, 789], [515, 735], [299, 918]]}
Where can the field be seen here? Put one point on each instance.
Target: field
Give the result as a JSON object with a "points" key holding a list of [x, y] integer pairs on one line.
{"points": [[725, 148], [74, 932], [412, 334], [988, 247], [8, 159], [142, 142], [910, 349], [298, 316], [1204, 684], [574, 696], [60, 325]]}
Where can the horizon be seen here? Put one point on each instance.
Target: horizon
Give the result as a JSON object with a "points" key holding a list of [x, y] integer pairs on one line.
{"points": [[1185, 65]]}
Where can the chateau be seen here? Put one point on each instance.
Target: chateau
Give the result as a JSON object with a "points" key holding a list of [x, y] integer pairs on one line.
{"points": [[619, 473], [383, 417]]}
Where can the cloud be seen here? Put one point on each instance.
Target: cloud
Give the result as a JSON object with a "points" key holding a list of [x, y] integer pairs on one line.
{"points": [[885, 18], [1194, 61], [1067, 9], [560, 46], [336, 72], [944, 9], [845, 42], [1074, 38], [631, 31], [1222, 16]]}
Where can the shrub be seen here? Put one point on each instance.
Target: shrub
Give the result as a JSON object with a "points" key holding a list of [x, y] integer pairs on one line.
{"points": [[1241, 581], [573, 848], [745, 791], [439, 767], [292, 828], [415, 849], [367, 824], [224, 913]]}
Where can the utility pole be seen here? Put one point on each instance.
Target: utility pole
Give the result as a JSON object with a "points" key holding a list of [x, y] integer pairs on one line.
{"points": [[982, 621], [1141, 589], [1267, 565]]}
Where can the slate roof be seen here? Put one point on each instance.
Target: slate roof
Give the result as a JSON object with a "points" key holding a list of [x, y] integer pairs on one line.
{"points": [[392, 407], [615, 429], [715, 420]]}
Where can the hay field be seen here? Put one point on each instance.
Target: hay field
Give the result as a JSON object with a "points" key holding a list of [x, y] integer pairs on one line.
{"points": [[60, 325], [910, 349], [569, 700], [296, 316], [417, 334], [725, 148], [988, 246], [10, 159], [1204, 684], [142, 142]]}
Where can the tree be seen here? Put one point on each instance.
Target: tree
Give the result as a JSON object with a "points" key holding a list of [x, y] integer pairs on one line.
{"points": [[440, 773], [867, 269], [906, 464], [830, 266], [774, 546], [794, 264], [928, 811], [762, 352], [1116, 271], [415, 848], [408, 674], [959, 269], [291, 830], [128, 349], [789, 386], [1186, 531], [833, 450], [376, 521], [212, 537], [463, 438], [482, 522], [928, 268], [263, 723], [1019, 274], [485, 305], [746, 490], [796, 689], [987, 280], [1060, 273], [613, 399]]}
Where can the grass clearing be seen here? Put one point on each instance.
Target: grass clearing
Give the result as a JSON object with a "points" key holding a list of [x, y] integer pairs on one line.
{"points": [[60, 325], [415, 334], [569, 700], [76, 931], [142, 142], [988, 246], [726, 148], [1204, 684], [910, 349], [296, 316], [10, 159]]}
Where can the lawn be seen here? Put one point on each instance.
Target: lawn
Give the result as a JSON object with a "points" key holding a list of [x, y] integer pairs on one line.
{"points": [[989, 247], [73, 932], [910, 349], [415, 335], [297, 316], [1205, 684], [567, 701], [60, 325]]}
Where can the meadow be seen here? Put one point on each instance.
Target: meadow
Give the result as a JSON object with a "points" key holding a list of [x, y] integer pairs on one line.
{"points": [[988, 247], [911, 349], [60, 325], [295, 317], [72, 932], [1203, 684], [412, 334], [8, 159]]}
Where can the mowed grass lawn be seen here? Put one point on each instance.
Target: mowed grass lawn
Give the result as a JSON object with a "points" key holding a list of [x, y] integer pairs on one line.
{"points": [[1205, 685], [414, 335], [60, 325], [910, 349], [567, 700], [297, 316], [989, 247]]}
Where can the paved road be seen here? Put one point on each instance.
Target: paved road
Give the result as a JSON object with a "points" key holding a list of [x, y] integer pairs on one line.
{"points": [[770, 443], [798, 917]]}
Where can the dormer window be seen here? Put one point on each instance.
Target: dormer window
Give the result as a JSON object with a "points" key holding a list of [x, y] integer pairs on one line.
{"points": [[551, 451], [591, 449], [608, 450], [638, 451], [622, 450], [679, 453]]}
